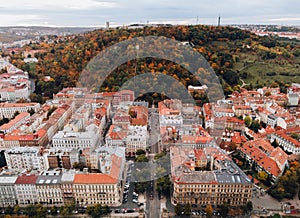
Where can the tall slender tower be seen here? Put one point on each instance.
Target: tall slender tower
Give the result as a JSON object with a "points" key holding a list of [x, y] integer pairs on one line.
{"points": [[219, 20]]}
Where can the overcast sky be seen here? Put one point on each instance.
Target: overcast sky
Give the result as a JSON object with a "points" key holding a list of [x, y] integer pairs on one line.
{"points": [[119, 12]]}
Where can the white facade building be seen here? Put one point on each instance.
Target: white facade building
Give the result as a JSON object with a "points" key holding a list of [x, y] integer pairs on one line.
{"points": [[48, 188], [288, 143], [7, 190], [26, 189], [8, 109], [137, 138], [68, 139], [97, 188], [25, 158]]}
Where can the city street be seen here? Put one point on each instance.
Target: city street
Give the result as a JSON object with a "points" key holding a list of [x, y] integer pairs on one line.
{"points": [[154, 132], [153, 203]]}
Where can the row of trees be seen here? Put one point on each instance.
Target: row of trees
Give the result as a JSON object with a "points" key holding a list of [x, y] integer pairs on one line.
{"points": [[40, 211], [225, 210], [97, 210], [142, 173], [163, 183]]}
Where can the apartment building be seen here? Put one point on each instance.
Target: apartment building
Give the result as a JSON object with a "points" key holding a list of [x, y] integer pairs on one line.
{"points": [[25, 187], [7, 189], [220, 182], [25, 158], [48, 186], [69, 139], [8, 109], [14, 123]]}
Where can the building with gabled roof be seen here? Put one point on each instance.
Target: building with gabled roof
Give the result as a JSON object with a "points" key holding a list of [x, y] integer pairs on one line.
{"points": [[284, 139], [263, 156]]}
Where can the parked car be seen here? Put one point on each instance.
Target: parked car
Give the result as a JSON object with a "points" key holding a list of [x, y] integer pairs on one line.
{"points": [[134, 201]]}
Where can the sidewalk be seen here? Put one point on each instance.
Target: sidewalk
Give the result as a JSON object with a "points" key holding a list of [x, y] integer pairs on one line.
{"points": [[142, 198], [163, 204], [266, 202]]}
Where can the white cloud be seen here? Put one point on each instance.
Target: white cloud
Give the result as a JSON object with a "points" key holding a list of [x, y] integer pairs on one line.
{"points": [[284, 19], [56, 4], [20, 19], [119, 12]]}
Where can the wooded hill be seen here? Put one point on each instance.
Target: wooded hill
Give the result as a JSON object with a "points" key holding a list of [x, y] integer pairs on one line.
{"points": [[233, 53]]}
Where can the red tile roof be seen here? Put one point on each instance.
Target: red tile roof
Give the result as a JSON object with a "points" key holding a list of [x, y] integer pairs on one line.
{"points": [[94, 178], [251, 148], [26, 179], [141, 118], [13, 122]]}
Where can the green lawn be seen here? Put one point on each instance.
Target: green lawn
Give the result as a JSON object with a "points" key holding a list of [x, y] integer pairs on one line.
{"points": [[258, 73]]}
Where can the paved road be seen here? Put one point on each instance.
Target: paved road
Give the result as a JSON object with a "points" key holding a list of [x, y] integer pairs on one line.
{"points": [[154, 132], [153, 203]]}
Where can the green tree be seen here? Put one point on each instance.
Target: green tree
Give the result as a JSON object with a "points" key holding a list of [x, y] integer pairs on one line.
{"points": [[224, 210], [106, 209], [248, 121], [9, 210], [142, 158], [53, 210], [178, 210], [90, 210], [295, 136], [140, 151], [163, 185], [159, 155], [141, 187], [41, 211], [187, 209], [36, 98], [30, 210], [97, 210], [249, 206], [255, 126]]}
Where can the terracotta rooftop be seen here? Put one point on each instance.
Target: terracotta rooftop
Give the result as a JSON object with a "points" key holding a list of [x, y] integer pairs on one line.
{"points": [[13, 122], [26, 179], [260, 157], [94, 178]]}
